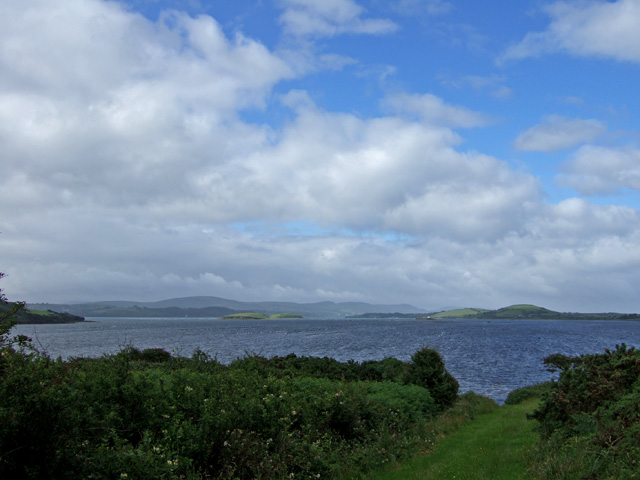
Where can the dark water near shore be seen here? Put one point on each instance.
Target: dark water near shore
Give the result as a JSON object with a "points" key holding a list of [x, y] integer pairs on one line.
{"points": [[488, 357]]}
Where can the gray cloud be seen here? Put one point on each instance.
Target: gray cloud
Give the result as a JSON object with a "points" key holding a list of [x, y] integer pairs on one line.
{"points": [[603, 170]]}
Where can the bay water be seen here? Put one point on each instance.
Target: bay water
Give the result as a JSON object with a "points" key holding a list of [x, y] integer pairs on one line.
{"points": [[490, 358]]}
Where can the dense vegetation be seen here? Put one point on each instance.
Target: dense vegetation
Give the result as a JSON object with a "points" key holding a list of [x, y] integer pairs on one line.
{"points": [[590, 418], [145, 414]]}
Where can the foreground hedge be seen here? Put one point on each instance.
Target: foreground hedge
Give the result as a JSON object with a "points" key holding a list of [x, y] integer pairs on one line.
{"points": [[149, 415]]}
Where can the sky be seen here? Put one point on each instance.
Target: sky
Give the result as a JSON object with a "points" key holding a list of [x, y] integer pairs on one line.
{"points": [[439, 153]]}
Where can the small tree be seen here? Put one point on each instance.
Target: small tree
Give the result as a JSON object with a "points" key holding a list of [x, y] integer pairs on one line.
{"points": [[8, 313], [427, 370]]}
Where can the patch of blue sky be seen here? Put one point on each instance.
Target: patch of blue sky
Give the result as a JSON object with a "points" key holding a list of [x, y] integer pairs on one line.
{"points": [[304, 228], [265, 228]]}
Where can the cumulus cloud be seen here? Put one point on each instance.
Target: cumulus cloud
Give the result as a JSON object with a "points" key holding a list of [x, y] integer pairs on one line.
{"points": [[559, 133], [121, 119], [384, 173], [329, 18], [603, 170], [596, 28]]}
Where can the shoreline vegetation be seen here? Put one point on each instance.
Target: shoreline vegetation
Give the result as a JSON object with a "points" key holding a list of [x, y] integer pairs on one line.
{"points": [[260, 316], [38, 317]]}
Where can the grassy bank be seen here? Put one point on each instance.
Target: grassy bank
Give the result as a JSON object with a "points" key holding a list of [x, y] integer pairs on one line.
{"points": [[494, 444]]}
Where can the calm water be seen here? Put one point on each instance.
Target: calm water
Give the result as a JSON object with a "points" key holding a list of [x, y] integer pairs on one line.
{"points": [[488, 357]]}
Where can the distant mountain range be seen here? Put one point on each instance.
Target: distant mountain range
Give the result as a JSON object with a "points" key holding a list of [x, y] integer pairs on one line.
{"points": [[215, 307], [218, 307]]}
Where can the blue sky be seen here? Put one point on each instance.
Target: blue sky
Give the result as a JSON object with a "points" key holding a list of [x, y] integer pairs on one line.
{"points": [[433, 152]]}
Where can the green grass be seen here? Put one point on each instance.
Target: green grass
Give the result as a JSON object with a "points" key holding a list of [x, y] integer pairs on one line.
{"points": [[45, 313], [459, 312], [246, 316], [494, 446]]}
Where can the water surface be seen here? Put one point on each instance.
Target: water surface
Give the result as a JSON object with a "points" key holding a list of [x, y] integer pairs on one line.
{"points": [[488, 357]]}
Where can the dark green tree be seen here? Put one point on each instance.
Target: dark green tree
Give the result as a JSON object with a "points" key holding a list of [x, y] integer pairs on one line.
{"points": [[8, 318], [427, 370]]}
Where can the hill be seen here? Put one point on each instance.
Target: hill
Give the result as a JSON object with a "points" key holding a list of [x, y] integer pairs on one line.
{"points": [[531, 312], [28, 316]]}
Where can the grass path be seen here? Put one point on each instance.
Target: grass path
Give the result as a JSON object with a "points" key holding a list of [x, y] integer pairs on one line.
{"points": [[494, 446]]}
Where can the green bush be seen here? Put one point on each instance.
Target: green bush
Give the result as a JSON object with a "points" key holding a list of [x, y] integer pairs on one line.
{"points": [[532, 391]]}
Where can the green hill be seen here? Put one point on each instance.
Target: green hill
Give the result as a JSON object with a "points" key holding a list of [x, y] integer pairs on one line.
{"points": [[530, 312]]}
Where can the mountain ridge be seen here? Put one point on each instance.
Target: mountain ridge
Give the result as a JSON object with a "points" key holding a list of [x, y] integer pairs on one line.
{"points": [[201, 306]]}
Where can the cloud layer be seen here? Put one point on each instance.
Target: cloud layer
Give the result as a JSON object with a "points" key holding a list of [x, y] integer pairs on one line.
{"points": [[130, 171]]}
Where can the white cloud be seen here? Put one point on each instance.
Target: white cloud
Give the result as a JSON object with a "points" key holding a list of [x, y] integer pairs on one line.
{"points": [[603, 170], [559, 133], [434, 110], [330, 18], [586, 28]]}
